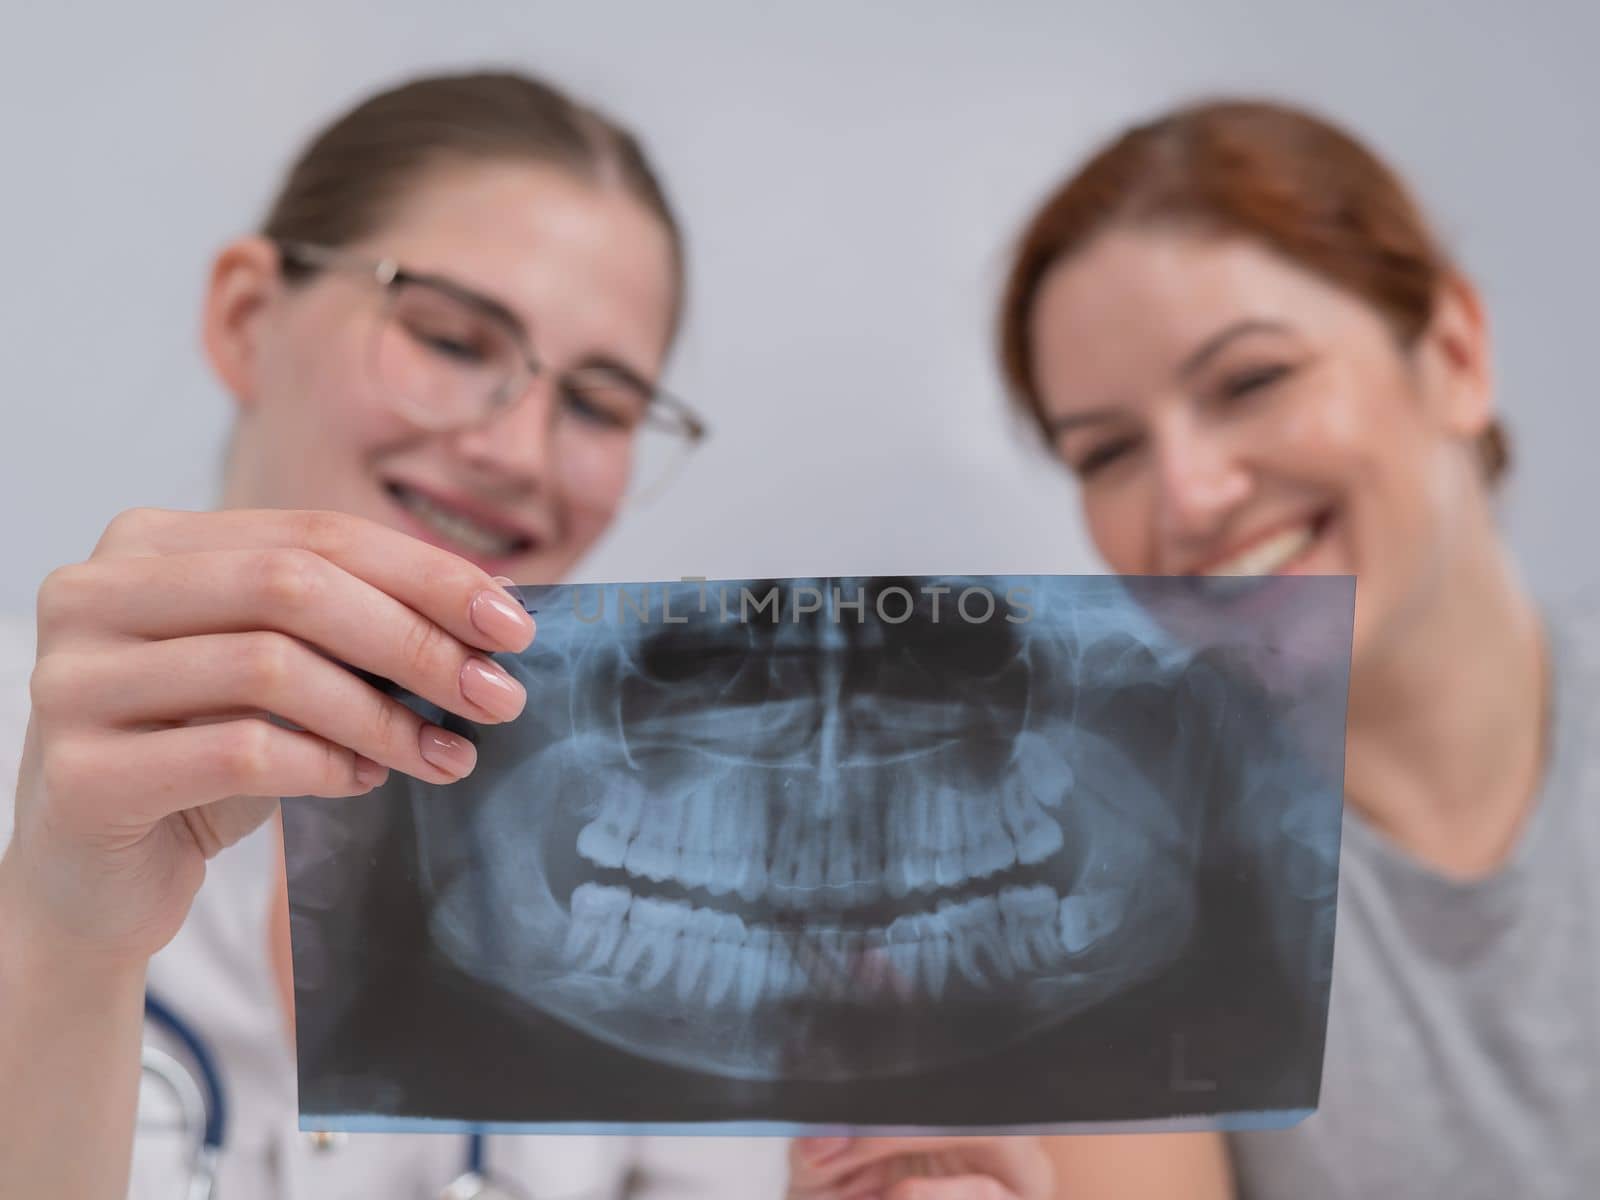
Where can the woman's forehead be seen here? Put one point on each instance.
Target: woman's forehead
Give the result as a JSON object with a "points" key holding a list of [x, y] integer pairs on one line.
{"points": [[1133, 305], [578, 261]]}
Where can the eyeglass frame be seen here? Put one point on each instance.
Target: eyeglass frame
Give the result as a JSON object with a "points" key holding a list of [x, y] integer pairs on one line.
{"points": [[390, 276]]}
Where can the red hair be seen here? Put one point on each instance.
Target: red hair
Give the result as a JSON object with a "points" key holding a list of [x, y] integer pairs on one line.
{"points": [[1285, 177]]}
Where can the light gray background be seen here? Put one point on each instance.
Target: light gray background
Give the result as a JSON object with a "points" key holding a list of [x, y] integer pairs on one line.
{"points": [[850, 174]]}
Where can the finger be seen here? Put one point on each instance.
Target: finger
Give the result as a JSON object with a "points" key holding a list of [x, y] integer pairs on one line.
{"points": [[132, 781], [300, 594], [951, 1187], [811, 1163], [453, 592], [186, 679], [974, 1149]]}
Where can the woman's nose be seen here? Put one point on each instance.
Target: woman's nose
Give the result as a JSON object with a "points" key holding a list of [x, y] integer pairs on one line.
{"points": [[1201, 482], [518, 441]]}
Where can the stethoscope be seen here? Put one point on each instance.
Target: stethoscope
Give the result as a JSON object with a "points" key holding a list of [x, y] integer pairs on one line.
{"points": [[203, 1113]]}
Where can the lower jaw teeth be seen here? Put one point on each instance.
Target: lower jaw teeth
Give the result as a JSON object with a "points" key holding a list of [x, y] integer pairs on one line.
{"points": [[704, 956]]}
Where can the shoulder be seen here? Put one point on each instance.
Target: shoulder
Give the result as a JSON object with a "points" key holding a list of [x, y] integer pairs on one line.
{"points": [[16, 665]]}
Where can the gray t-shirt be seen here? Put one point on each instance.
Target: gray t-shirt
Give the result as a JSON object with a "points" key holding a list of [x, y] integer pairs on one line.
{"points": [[1463, 1052]]}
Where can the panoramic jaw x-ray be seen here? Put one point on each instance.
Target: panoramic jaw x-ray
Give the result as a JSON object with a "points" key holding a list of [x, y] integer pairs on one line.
{"points": [[783, 837]]}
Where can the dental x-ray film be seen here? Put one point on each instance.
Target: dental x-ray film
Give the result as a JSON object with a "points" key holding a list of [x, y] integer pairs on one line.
{"points": [[866, 854]]}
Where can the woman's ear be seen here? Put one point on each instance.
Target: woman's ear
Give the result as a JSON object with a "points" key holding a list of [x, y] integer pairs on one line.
{"points": [[1459, 376], [244, 276]]}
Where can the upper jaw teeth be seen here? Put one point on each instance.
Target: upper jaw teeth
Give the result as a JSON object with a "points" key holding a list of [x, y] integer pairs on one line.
{"points": [[1267, 556], [456, 526]]}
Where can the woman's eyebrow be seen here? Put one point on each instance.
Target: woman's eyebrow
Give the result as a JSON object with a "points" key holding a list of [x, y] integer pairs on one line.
{"points": [[485, 304], [1209, 348], [615, 366], [1089, 416]]}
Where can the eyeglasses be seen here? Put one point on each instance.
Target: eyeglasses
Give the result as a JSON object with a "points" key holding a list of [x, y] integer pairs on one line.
{"points": [[449, 358]]}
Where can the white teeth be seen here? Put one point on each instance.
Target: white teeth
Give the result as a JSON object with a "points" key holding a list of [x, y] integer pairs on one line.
{"points": [[916, 840], [597, 916], [456, 526], [750, 875], [1037, 837], [935, 953], [1029, 916], [869, 856], [605, 839], [727, 940], [796, 871], [652, 932], [1087, 917], [871, 964], [976, 939], [919, 948], [654, 851], [696, 863], [840, 876], [946, 845], [753, 962], [712, 958], [1045, 774], [987, 848], [694, 950], [1268, 556], [785, 976]]}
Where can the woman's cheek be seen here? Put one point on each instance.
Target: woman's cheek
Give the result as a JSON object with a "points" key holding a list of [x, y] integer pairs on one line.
{"points": [[1117, 529]]}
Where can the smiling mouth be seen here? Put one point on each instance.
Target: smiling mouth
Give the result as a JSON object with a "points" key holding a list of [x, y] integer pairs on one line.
{"points": [[457, 527], [1272, 554]]}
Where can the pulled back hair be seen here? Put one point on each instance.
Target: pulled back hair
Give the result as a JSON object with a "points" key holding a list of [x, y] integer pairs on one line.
{"points": [[1292, 180], [349, 179]]}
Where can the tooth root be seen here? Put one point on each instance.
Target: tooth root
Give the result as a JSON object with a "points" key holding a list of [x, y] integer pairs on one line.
{"points": [[1042, 770], [904, 952], [596, 925], [726, 949], [784, 976], [1029, 915], [934, 952], [651, 939], [977, 940], [752, 969], [581, 937], [694, 952], [872, 965]]}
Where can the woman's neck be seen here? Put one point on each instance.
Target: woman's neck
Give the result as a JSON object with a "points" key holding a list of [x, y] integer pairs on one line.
{"points": [[1447, 721]]}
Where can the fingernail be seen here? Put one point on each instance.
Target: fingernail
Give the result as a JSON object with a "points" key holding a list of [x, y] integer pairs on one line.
{"points": [[370, 774], [491, 689], [501, 621], [453, 755], [819, 1149]]}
